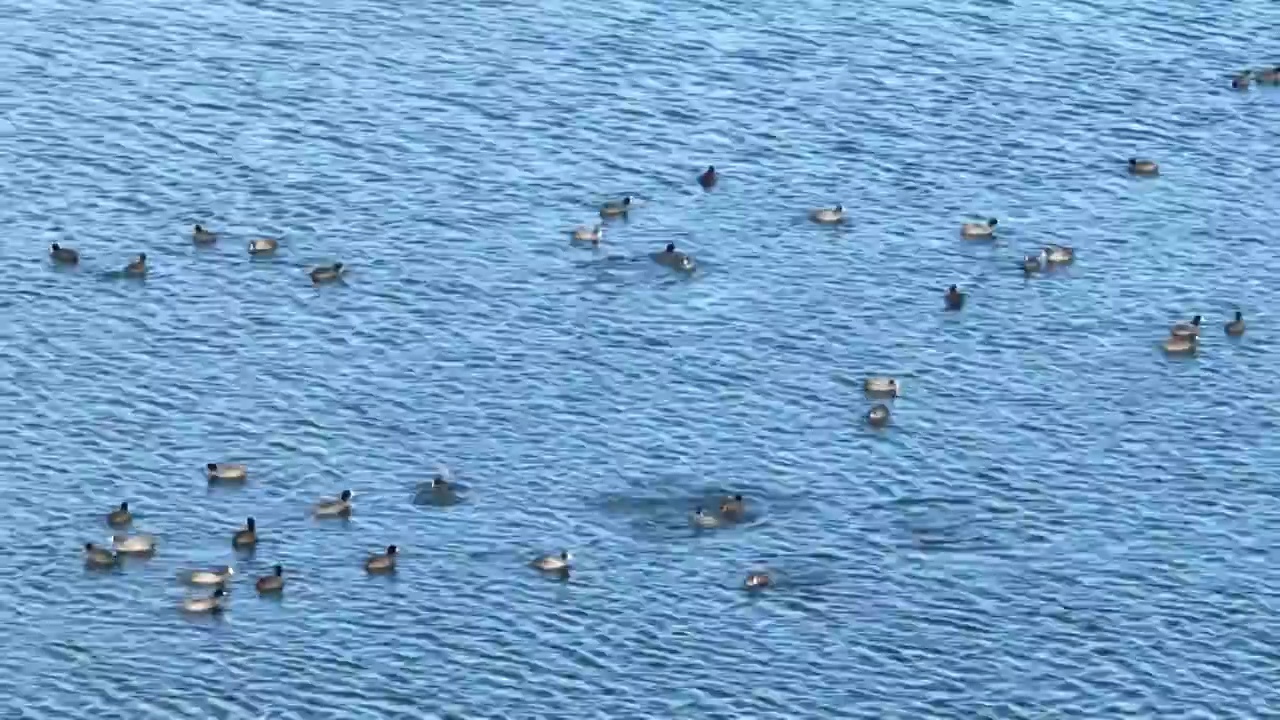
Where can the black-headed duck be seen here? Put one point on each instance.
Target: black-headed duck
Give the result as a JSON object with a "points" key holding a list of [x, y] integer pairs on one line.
{"points": [[64, 255], [382, 562], [1143, 167], [216, 576], [758, 581], [675, 259], [336, 507], [954, 298], [827, 216], [584, 234], [137, 267], [247, 536], [272, 583], [203, 236], [227, 471], [553, 563], [886, 386], [616, 208], [134, 544], [1184, 329], [1235, 328], [326, 273], [878, 415], [979, 231], [211, 604], [120, 516], [263, 246], [708, 178], [97, 557]]}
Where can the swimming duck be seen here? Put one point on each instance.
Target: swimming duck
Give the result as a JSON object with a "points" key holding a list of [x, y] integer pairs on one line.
{"points": [[703, 520], [263, 246], [133, 544], [979, 231], [272, 583], [63, 255], [211, 604], [1185, 345], [708, 178], [339, 507], [1241, 80], [954, 298], [326, 273], [442, 490], [137, 267], [616, 208], [120, 516], [593, 235], [247, 536], [1191, 329], [1270, 76], [1058, 254], [1235, 328], [227, 471], [881, 386], [211, 577], [553, 563], [95, 556], [827, 215], [1143, 167], [878, 416], [1031, 264], [758, 581], [673, 258], [203, 236], [734, 507], [382, 563]]}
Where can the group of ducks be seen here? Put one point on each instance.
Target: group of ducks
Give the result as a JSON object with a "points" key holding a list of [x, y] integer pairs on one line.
{"points": [[246, 539], [1265, 76], [1184, 337]]}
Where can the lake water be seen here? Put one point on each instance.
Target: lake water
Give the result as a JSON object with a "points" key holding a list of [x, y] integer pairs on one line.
{"points": [[1060, 522]]}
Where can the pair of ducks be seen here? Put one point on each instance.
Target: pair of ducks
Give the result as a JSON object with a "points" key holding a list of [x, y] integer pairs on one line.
{"points": [[137, 267], [883, 387], [1184, 337], [732, 509], [1266, 76], [1050, 256], [261, 246]]}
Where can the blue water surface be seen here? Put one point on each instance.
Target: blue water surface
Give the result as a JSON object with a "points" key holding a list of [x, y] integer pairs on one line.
{"points": [[1061, 522]]}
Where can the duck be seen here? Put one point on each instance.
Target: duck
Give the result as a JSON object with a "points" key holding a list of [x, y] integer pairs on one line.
{"points": [[326, 273], [758, 581], [272, 583], [734, 507], [703, 520], [134, 544], [120, 516], [227, 471], [95, 556], [979, 231], [592, 235], [1242, 79], [338, 507], [1143, 167], [137, 267], [616, 208], [1185, 345], [217, 576], [878, 415], [211, 604], [708, 178], [442, 490], [675, 259], [64, 255], [954, 298], [1270, 76], [881, 386], [263, 246], [247, 536], [1235, 328], [1058, 254], [1182, 329], [827, 215], [1031, 264], [553, 563], [383, 562], [202, 236]]}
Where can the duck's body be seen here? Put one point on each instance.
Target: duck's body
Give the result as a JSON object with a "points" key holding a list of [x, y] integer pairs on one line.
{"points": [[881, 386], [703, 520], [708, 179], [217, 576], [733, 508], [201, 236], [137, 267], [272, 583], [382, 563], [134, 544], [954, 299], [326, 273], [443, 491], [231, 472], [1235, 328], [247, 536], [1058, 254], [211, 604], [337, 507], [979, 231], [878, 415], [120, 517], [675, 259], [97, 557], [584, 234], [1182, 329], [64, 255], [616, 208], [758, 581], [1180, 345], [1143, 167], [263, 246], [553, 563], [827, 216]]}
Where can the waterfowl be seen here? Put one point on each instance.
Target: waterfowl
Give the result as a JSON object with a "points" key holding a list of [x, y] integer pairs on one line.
{"points": [[137, 267], [227, 471], [708, 178], [382, 563], [733, 508], [703, 520], [211, 577], [593, 235], [63, 255], [954, 298], [120, 516], [95, 556], [616, 208], [1185, 345], [326, 273], [553, 563], [827, 215], [263, 246], [675, 259], [1058, 254], [1235, 328], [339, 507], [203, 236], [881, 386], [211, 604], [442, 489], [1143, 167], [1182, 329], [1031, 264], [133, 544], [272, 583], [979, 231], [1268, 77], [247, 536], [878, 416], [758, 581], [1241, 80]]}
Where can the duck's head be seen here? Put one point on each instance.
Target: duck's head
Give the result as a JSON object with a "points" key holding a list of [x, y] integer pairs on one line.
{"points": [[89, 547], [250, 525], [711, 170], [1195, 320], [992, 222], [337, 267], [1133, 161], [55, 247], [1239, 315], [219, 592], [626, 200], [124, 507], [142, 257], [278, 570], [953, 290], [199, 229], [565, 556], [839, 208], [392, 549], [212, 467], [345, 496], [671, 247]]}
